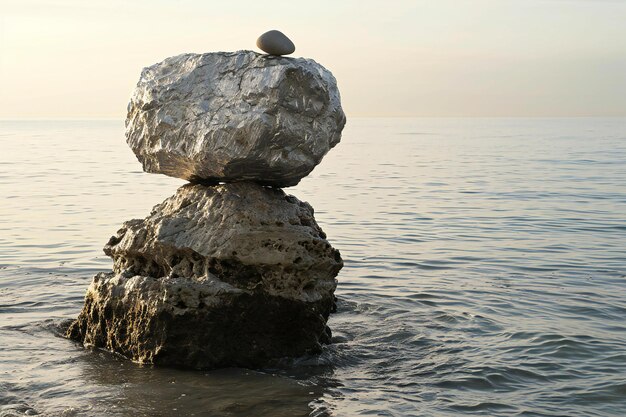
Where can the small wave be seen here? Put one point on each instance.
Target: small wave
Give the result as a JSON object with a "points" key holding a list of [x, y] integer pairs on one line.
{"points": [[483, 406]]}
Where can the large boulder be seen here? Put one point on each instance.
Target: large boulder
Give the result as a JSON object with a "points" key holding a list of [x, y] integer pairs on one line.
{"points": [[237, 116], [230, 275]]}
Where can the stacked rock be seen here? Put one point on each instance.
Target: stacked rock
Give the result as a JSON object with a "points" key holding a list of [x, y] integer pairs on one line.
{"points": [[229, 271]]}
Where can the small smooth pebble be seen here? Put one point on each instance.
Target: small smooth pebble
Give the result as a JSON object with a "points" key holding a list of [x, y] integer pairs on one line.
{"points": [[275, 42]]}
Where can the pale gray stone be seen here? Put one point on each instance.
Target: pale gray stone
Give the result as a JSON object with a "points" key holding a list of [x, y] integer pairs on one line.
{"points": [[224, 117], [229, 275], [275, 42]]}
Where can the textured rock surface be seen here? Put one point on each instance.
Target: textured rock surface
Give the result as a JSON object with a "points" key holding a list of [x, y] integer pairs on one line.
{"points": [[223, 117], [231, 275], [275, 42]]}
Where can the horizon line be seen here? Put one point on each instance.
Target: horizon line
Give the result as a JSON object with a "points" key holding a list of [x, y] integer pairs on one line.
{"points": [[77, 119]]}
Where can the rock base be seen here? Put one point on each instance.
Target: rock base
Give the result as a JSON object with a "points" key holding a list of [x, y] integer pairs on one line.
{"points": [[202, 325], [230, 275]]}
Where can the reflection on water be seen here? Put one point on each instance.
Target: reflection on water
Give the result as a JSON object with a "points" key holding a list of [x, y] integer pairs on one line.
{"points": [[164, 392], [485, 267]]}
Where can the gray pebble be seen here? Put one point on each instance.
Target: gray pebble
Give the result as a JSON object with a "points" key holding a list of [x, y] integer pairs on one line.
{"points": [[275, 42]]}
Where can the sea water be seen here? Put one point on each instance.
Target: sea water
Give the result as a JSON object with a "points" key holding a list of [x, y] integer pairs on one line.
{"points": [[485, 274]]}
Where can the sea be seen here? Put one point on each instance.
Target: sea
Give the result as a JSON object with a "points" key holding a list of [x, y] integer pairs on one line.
{"points": [[485, 274]]}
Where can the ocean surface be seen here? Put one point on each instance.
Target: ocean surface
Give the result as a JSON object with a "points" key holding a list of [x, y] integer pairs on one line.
{"points": [[485, 274]]}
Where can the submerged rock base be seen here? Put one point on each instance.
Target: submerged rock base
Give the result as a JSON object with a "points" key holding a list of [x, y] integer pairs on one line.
{"points": [[229, 275], [202, 325]]}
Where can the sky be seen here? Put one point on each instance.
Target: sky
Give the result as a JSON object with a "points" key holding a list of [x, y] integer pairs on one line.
{"points": [[78, 59]]}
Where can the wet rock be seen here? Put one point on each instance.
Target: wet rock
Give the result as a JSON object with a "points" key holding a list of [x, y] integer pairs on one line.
{"points": [[275, 42], [240, 116], [198, 324], [230, 275]]}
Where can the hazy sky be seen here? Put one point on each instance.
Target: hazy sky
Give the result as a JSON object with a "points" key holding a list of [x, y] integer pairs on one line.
{"points": [[82, 58]]}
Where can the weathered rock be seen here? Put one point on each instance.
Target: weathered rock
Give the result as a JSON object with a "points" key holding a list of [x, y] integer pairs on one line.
{"points": [[231, 275], [275, 42], [240, 116]]}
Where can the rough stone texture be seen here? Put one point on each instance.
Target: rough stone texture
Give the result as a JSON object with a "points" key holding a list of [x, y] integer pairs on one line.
{"points": [[275, 42], [238, 116], [231, 275]]}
